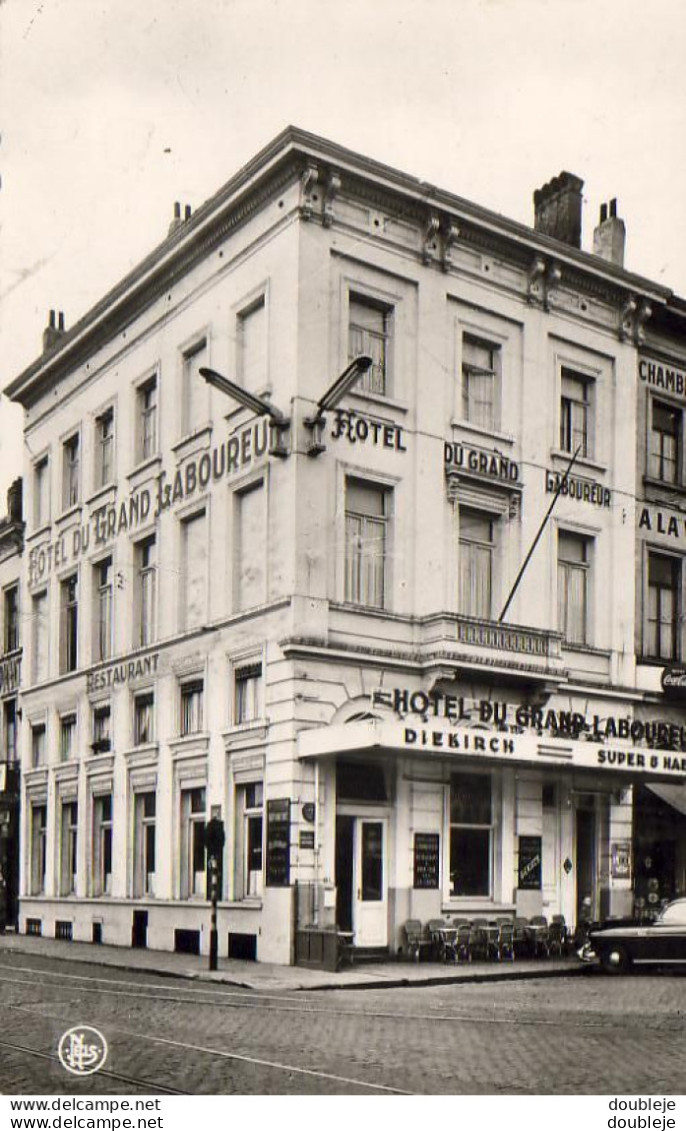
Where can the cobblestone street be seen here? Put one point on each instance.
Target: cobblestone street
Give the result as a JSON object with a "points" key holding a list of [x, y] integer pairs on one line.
{"points": [[589, 1034]]}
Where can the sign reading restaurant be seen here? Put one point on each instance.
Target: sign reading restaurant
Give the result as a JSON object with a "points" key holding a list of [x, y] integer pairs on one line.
{"points": [[661, 375], [240, 451]]}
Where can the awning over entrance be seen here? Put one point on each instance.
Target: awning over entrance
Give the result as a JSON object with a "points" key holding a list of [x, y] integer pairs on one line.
{"points": [[674, 795], [446, 743]]}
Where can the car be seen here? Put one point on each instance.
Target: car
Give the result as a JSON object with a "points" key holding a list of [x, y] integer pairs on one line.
{"points": [[619, 947]]}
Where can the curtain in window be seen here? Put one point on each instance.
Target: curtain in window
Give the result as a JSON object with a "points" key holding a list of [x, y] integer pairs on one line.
{"points": [[250, 546], [194, 595], [195, 395], [368, 333], [252, 327], [40, 637]]}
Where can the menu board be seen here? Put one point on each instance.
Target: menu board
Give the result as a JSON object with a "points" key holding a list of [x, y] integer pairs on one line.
{"points": [[426, 860], [529, 870], [278, 867]]}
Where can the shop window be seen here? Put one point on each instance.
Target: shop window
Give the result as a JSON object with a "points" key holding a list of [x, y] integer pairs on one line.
{"points": [[69, 816], [145, 595], [39, 621], [194, 571], [192, 843], [103, 619], [480, 364], [104, 448], [143, 718], [11, 618], [41, 492], [146, 419], [9, 719], [367, 510], [192, 707], [369, 332], [70, 471], [144, 817], [247, 682], [194, 400], [39, 821], [662, 617], [665, 443], [102, 739], [69, 624], [249, 836], [38, 747], [250, 546], [102, 845], [476, 564], [471, 835], [67, 737], [573, 553], [576, 414], [252, 346]]}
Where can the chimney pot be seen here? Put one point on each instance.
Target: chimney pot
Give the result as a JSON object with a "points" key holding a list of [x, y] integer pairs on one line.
{"points": [[52, 332], [187, 214], [609, 238], [557, 207], [613, 206], [603, 213]]}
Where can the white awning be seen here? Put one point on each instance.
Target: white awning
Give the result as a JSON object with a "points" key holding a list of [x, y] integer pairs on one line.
{"points": [[674, 795]]}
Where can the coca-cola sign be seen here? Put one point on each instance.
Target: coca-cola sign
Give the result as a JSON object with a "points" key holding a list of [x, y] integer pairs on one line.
{"points": [[674, 681]]}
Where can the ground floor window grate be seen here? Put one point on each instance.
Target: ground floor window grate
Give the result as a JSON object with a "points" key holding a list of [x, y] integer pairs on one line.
{"points": [[64, 929], [34, 926], [243, 946], [186, 942]]}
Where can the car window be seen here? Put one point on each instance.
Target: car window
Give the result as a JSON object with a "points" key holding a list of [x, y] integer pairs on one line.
{"points": [[673, 915]]}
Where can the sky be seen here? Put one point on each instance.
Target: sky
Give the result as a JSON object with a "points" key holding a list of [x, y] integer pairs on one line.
{"points": [[111, 111]]}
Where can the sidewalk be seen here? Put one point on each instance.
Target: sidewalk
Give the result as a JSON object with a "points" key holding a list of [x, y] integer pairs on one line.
{"points": [[266, 977]]}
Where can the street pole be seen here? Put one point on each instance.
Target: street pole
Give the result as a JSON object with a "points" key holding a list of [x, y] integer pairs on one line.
{"points": [[213, 916]]}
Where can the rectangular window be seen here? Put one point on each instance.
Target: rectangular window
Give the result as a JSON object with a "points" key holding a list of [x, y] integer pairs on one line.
{"points": [[250, 542], [572, 586], [39, 821], [471, 835], [103, 619], [663, 613], [39, 620], [252, 344], [192, 707], [38, 747], [192, 843], [69, 624], [102, 845], [665, 443], [479, 382], [194, 571], [146, 409], [194, 400], [576, 416], [11, 618], [70, 472], [146, 592], [367, 509], [9, 718], [102, 740], [369, 332], [69, 819], [250, 805], [247, 693], [476, 564], [41, 492], [144, 809], [67, 737], [104, 448], [143, 718]]}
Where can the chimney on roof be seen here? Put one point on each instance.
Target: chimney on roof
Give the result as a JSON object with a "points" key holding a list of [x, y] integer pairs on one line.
{"points": [[178, 219], [53, 331], [609, 238], [557, 207], [14, 501]]}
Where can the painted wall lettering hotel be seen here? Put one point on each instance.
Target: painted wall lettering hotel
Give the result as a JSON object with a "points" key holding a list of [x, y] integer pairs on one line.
{"points": [[301, 608]]}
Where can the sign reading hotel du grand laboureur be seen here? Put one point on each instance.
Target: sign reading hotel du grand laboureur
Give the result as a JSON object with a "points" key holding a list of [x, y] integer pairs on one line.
{"points": [[106, 521], [529, 733]]}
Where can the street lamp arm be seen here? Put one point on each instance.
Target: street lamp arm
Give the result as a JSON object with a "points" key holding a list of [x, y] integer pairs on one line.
{"points": [[249, 400]]}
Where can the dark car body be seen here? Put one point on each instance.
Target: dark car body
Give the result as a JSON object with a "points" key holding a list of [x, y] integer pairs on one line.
{"points": [[619, 947]]}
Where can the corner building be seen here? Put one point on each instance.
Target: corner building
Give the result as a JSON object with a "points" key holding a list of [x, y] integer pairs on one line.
{"points": [[295, 623]]}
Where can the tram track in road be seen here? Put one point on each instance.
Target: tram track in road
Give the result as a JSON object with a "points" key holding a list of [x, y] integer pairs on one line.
{"points": [[146, 1086], [217, 998]]}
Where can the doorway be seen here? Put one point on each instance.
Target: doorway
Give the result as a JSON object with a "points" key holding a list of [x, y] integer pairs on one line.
{"points": [[586, 868], [361, 879]]}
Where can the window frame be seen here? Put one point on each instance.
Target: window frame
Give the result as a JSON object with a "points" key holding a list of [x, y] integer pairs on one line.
{"points": [[493, 830], [11, 621], [69, 624], [101, 735], [104, 447], [197, 344], [258, 300], [145, 627], [494, 348], [68, 846], [147, 439], [103, 594], [567, 428], [354, 562], [191, 686], [244, 670], [39, 743], [38, 847], [101, 845], [68, 721], [367, 384], [145, 698], [676, 562], [566, 568], [143, 822], [71, 471], [42, 508], [36, 620], [471, 545], [191, 829], [656, 402]]}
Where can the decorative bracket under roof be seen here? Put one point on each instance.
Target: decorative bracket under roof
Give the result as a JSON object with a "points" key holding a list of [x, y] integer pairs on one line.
{"points": [[450, 233], [632, 319], [542, 280], [308, 182], [429, 240], [333, 187]]}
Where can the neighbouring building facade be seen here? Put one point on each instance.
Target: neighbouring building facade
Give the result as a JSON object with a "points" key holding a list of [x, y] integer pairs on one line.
{"points": [[11, 546], [308, 621]]}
